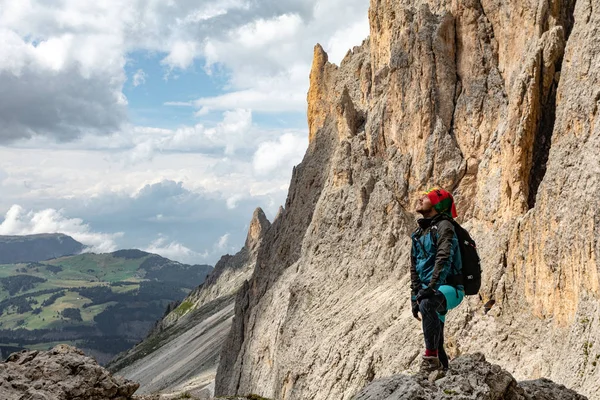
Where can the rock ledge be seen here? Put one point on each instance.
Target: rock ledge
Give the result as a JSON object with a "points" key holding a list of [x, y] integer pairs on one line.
{"points": [[469, 377], [59, 374]]}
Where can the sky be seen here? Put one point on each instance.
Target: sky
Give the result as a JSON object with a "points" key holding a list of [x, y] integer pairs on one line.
{"points": [[157, 124]]}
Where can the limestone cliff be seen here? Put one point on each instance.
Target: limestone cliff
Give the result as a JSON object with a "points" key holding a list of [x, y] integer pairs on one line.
{"points": [[496, 101], [182, 352]]}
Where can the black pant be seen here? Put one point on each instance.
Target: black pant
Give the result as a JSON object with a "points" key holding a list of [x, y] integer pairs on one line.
{"points": [[433, 327]]}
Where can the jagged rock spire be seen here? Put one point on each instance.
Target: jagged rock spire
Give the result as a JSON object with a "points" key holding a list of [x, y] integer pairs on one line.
{"points": [[317, 107], [279, 213], [258, 226]]}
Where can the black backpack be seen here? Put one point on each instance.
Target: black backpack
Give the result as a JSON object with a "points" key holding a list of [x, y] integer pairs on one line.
{"points": [[471, 264]]}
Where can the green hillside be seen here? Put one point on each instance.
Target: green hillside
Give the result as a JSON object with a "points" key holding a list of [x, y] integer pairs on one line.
{"points": [[103, 303]]}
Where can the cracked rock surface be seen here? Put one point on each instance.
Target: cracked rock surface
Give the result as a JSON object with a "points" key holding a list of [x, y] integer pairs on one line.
{"points": [[63, 373], [469, 377]]}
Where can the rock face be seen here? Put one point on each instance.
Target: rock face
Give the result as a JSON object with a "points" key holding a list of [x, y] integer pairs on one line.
{"points": [[496, 101], [470, 377], [33, 248], [182, 353], [60, 374], [229, 273]]}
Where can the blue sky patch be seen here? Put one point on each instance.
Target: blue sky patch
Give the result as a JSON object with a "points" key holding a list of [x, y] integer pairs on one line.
{"points": [[161, 85]]}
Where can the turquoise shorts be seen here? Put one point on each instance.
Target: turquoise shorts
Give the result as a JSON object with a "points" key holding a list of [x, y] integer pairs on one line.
{"points": [[453, 298]]}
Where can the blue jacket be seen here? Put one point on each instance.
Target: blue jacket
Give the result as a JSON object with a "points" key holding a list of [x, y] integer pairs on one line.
{"points": [[435, 254]]}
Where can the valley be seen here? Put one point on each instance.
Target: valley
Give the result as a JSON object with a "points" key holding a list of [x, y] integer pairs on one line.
{"points": [[102, 303]]}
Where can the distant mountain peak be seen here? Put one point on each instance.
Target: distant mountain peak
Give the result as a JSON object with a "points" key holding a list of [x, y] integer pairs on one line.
{"points": [[39, 247], [56, 235]]}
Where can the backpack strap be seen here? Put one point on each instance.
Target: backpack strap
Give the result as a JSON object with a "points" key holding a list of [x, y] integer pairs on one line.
{"points": [[434, 240], [433, 228]]}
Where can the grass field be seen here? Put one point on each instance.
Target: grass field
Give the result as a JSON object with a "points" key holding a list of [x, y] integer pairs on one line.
{"points": [[68, 273], [85, 270]]}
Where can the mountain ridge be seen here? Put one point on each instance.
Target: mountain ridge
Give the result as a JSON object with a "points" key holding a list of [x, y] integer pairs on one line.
{"points": [[38, 247]]}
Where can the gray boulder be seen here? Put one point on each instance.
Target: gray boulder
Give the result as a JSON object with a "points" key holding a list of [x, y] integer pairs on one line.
{"points": [[63, 373], [469, 377]]}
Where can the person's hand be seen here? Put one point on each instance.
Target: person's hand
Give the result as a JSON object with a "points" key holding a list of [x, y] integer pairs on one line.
{"points": [[415, 309], [425, 294]]}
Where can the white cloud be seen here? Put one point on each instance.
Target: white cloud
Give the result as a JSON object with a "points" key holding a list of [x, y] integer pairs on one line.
{"points": [[174, 251], [69, 57], [53, 177], [232, 201], [285, 152], [344, 39], [181, 54], [136, 144], [263, 32], [270, 58], [18, 221], [202, 111], [235, 159], [223, 241], [211, 10], [232, 133], [275, 100], [55, 87], [62, 65], [139, 78]]}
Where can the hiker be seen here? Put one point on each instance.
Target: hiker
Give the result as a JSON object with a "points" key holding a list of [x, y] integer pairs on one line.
{"points": [[436, 273]]}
